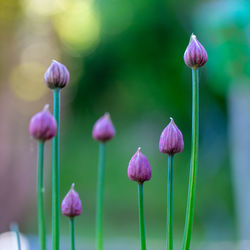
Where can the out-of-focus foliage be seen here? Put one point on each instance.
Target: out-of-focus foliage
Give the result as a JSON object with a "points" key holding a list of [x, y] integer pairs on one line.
{"points": [[227, 33]]}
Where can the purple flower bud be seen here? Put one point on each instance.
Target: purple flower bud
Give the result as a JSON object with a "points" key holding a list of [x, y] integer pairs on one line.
{"points": [[103, 129], [56, 76], [171, 140], [195, 55], [43, 125], [139, 168], [71, 204]]}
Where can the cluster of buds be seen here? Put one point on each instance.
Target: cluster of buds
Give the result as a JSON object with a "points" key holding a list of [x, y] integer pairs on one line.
{"points": [[43, 127], [171, 142]]}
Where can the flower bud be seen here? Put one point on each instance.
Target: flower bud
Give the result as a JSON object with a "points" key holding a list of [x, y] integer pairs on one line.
{"points": [[195, 55], [43, 125], [56, 76], [171, 140], [139, 168], [71, 204], [103, 129]]}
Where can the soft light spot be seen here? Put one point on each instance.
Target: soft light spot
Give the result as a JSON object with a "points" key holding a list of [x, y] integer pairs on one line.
{"points": [[78, 27], [45, 7], [26, 81]]}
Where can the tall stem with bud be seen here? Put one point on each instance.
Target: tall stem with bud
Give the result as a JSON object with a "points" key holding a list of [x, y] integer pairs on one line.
{"points": [[56, 77], [139, 170], [42, 127], [195, 57], [72, 207], [103, 131], [171, 143]]}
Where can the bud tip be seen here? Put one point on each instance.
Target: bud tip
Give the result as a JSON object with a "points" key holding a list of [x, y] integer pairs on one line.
{"points": [[46, 107], [171, 140]]}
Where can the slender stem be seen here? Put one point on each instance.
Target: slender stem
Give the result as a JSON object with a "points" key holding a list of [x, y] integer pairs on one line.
{"points": [[18, 239], [72, 231], [141, 216], [193, 162], [56, 175], [100, 189], [14, 228], [40, 196], [170, 203]]}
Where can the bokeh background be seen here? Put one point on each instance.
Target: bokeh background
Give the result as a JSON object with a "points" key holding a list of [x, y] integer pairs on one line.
{"points": [[126, 57]]}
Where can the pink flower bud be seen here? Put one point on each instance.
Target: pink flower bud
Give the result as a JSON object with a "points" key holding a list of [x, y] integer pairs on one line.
{"points": [[103, 129], [195, 55], [56, 76], [43, 125], [139, 168], [171, 140], [71, 204]]}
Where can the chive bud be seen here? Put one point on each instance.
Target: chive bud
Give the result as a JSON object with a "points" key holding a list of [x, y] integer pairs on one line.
{"points": [[139, 168], [195, 55], [71, 204], [43, 125], [171, 140], [56, 76], [103, 129]]}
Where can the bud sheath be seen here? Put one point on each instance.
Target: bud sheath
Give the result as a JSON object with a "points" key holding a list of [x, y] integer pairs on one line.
{"points": [[103, 130], [171, 140], [139, 168], [71, 204], [56, 76], [195, 55], [43, 125]]}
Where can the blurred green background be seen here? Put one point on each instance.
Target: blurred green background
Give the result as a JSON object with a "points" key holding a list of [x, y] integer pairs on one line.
{"points": [[125, 57]]}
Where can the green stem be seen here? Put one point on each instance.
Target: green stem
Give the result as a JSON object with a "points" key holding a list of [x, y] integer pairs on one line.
{"points": [[141, 217], [56, 175], [14, 228], [193, 162], [18, 240], [100, 189], [170, 203], [72, 230], [40, 196]]}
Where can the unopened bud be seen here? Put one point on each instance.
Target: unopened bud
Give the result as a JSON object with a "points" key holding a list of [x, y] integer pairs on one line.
{"points": [[195, 55], [171, 140], [43, 125], [71, 204], [56, 76], [139, 168], [103, 129]]}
